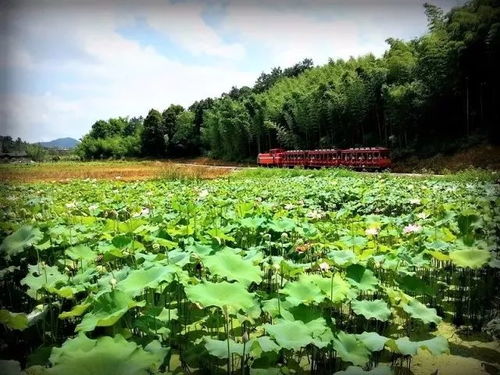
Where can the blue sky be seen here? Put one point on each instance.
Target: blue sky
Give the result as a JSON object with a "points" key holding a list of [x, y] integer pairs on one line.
{"points": [[66, 64]]}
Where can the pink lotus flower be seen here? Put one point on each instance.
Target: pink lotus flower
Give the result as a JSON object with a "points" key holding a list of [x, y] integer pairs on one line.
{"points": [[412, 228]]}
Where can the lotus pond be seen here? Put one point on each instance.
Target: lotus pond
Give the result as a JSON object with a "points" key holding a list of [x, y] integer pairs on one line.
{"points": [[316, 273]]}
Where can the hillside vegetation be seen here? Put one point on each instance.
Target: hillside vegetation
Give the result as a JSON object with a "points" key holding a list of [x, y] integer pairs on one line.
{"points": [[421, 97]]}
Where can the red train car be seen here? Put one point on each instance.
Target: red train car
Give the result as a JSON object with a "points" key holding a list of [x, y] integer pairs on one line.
{"points": [[356, 158]]}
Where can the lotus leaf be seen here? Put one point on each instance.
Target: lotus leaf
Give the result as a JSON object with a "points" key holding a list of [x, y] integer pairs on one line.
{"points": [[107, 310], [302, 291], [19, 240], [218, 348], [343, 258], [350, 349], [104, 356], [232, 296], [81, 252], [334, 287], [376, 309], [372, 340], [437, 345], [472, 258], [361, 277], [418, 310], [42, 277], [140, 279], [13, 320], [290, 334], [231, 266]]}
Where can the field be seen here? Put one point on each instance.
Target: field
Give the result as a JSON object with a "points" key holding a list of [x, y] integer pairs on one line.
{"points": [[248, 272]]}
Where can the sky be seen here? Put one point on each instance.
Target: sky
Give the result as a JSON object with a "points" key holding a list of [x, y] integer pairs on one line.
{"points": [[66, 64]]}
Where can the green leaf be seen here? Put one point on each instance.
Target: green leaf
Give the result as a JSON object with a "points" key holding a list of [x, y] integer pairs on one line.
{"points": [[140, 279], [472, 258], [19, 240], [361, 277], [81, 252], [302, 291], [376, 309], [218, 348], [437, 345], [350, 349], [228, 264], [13, 320], [418, 310], [77, 310], [43, 277], [290, 334], [372, 340], [232, 296], [104, 356], [343, 258], [107, 310]]}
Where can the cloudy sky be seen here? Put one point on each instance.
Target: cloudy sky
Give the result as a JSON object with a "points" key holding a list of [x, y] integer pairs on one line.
{"points": [[66, 64]]}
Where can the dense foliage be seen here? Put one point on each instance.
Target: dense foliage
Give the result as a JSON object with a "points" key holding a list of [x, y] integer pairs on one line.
{"points": [[422, 96], [254, 275]]}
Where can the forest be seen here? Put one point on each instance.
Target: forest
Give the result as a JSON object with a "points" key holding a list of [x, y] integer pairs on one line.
{"points": [[423, 96]]}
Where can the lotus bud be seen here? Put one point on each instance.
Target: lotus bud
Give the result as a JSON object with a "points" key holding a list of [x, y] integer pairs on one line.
{"points": [[267, 237], [113, 282], [284, 236], [244, 338], [100, 269]]}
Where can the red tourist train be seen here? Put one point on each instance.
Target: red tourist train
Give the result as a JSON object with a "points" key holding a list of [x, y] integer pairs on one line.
{"points": [[356, 158]]}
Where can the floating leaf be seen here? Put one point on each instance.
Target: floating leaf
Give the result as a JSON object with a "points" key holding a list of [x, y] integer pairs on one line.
{"points": [[343, 257], [472, 258], [81, 252], [228, 264], [232, 296], [350, 349], [104, 356], [418, 310]]}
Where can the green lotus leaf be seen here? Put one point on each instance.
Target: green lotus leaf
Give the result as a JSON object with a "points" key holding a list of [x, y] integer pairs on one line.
{"points": [[140, 279], [107, 310], [218, 348], [343, 258], [13, 320], [264, 344], [372, 340], [232, 296], [437, 345], [81, 252], [228, 264], [376, 309], [43, 277], [350, 349], [104, 356], [302, 291], [282, 225], [354, 370], [19, 240], [418, 310], [361, 277], [290, 334], [472, 258], [77, 310], [335, 287], [321, 333]]}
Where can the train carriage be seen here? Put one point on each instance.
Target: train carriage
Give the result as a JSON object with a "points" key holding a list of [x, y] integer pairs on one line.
{"points": [[365, 158]]}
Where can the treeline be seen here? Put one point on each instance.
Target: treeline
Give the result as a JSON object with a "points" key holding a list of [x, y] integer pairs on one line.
{"points": [[419, 97], [18, 147]]}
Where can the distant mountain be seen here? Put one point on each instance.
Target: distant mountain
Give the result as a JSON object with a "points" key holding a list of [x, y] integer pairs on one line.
{"points": [[60, 143]]}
